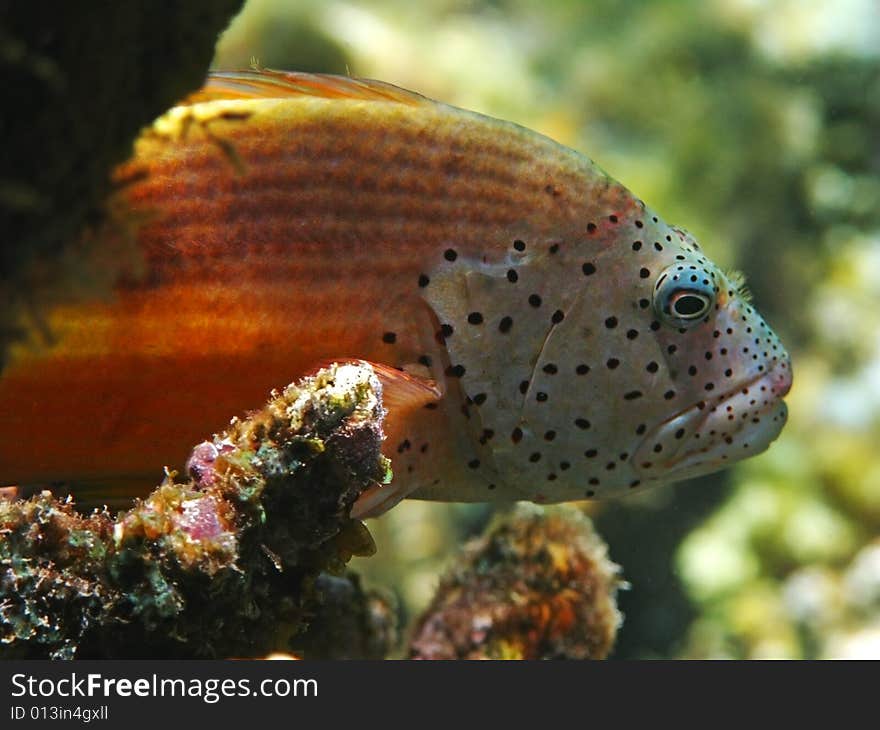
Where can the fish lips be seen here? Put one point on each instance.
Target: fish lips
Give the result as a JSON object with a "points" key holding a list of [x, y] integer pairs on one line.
{"points": [[718, 431]]}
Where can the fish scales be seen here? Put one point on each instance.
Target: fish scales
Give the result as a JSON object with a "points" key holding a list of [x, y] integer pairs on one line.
{"points": [[536, 296]]}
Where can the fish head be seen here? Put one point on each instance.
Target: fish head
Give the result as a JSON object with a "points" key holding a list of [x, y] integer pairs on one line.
{"points": [[670, 371], [602, 364], [721, 371], [685, 376]]}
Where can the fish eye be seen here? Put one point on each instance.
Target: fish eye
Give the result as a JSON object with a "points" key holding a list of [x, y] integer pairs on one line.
{"points": [[688, 304], [684, 294]]}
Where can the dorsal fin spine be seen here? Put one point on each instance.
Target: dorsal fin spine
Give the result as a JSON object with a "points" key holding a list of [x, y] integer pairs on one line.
{"points": [[269, 84]]}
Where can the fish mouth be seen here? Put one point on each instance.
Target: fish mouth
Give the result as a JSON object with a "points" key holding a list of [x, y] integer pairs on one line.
{"points": [[717, 431]]}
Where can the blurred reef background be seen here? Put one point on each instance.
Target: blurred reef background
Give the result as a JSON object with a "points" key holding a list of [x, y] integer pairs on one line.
{"points": [[754, 124]]}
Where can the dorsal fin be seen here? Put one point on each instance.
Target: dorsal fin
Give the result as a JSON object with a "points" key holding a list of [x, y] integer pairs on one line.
{"points": [[269, 84]]}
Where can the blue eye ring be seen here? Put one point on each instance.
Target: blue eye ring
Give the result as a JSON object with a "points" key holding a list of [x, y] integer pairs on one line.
{"points": [[684, 295]]}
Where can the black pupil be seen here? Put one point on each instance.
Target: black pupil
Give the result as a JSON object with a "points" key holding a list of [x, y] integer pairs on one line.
{"points": [[688, 305]]}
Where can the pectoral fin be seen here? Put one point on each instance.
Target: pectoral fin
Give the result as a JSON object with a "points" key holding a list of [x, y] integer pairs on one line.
{"points": [[404, 397]]}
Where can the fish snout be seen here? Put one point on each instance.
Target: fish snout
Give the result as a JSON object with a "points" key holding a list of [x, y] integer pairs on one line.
{"points": [[780, 378], [716, 432]]}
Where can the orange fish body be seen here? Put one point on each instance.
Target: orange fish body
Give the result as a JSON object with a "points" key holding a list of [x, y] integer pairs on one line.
{"points": [[284, 221]]}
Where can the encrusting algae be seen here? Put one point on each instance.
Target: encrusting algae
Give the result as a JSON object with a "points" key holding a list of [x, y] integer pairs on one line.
{"points": [[229, 563]]}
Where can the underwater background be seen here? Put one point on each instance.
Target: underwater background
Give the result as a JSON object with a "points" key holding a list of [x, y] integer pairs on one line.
{"points": [[754, 125]]}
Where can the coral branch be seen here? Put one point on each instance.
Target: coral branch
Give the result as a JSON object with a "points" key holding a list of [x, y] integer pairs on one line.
{"points": [[537, 585], [230, 563]]}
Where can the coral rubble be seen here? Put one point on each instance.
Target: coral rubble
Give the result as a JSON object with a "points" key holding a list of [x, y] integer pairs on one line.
{"points": [[537, 585], [236, 561]]}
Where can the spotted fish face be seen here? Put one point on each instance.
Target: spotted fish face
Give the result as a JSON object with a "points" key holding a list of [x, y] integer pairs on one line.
{"points": [[724, 370], [608, 363]]}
